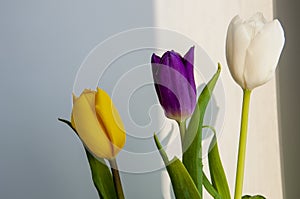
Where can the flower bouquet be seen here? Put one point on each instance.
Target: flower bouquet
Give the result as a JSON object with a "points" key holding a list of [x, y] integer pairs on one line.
{"points": [[253, 48]]}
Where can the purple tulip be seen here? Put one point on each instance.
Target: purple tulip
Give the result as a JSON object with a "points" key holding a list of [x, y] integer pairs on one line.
{"points": [[174, 83]]}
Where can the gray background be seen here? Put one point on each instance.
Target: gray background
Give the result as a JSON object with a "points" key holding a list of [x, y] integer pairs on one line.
{"points": [[42, 44], [288, 88]]}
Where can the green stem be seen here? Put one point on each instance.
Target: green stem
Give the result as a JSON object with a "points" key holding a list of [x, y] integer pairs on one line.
{"points": [[242, 146], [182, 129], [116, 177]]}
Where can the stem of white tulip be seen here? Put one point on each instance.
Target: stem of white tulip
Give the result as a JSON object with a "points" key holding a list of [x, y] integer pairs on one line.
{"points": [[242, 146], [117, 179]]}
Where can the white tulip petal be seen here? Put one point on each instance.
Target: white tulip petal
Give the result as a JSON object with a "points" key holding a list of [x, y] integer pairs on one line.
{"points": [[253, 49], [257, 18], [238, 40], [256, 23], [229, 39], [263, 54]]}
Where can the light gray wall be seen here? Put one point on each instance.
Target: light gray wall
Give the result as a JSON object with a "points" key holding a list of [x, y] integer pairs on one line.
{"points": [[42, 44], [288, 86]]}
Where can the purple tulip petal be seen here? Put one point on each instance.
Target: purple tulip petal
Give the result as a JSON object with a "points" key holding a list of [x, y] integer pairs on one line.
{"points": [[174, 78], [174, 83], [155, 62], [189, 56], [174, 60], [169, 102], [189, 66], [155, 59]]}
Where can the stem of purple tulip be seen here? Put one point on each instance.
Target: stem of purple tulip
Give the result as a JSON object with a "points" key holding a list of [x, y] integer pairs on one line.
{"points": [[117, 179], [242, 146], [182, 129]]}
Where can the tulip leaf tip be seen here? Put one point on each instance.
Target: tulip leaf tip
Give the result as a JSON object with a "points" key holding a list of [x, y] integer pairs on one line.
{"points": [[64, 121], [161, 150], [157, 142], [219, 66], [67, 122]]}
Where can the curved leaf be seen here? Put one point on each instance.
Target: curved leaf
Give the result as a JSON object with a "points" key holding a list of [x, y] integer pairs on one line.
{"points": [[101, 175], [192, 157], [216, 169], [183, 185], [210, 188]]}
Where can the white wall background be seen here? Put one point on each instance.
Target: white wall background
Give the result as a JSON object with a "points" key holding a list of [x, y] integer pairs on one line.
{"points": [[206, 22]]}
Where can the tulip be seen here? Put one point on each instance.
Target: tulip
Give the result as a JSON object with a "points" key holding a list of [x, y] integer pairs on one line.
{"points": [[98, 123], [253, 48], [174, 83]]}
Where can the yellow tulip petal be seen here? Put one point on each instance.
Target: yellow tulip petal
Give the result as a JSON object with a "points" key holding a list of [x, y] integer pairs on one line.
{"points": [[74, 97], [72, 121], [111, 120], [72, 117], [90, 96], [88, 128]]}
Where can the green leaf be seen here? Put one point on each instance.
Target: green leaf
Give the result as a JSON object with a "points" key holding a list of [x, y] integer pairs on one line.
{"points": [[253, 197], [183, 185], [216, 169], [192, 157], [210, 188], [101, 175]]}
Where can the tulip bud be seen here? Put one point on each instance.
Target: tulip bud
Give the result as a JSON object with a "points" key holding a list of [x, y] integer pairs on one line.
{"points": [[174, 83], [98, 123], [253, 48]]}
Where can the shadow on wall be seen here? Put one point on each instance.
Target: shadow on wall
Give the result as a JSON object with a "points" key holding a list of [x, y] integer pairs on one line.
{"points": [[287, 11]]}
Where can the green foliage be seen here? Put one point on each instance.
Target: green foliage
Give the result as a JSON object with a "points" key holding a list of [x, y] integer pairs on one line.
{"points": [[192, 157], [101, 175], [253, 197], [183, 185], [210, 188], [216, 170]]}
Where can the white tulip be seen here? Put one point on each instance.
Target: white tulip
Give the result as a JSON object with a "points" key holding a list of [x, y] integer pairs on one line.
{"points": [[253, 48]]}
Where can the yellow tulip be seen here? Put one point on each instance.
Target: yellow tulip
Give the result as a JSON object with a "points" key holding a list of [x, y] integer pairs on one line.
{"points": [[98, 123]]}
